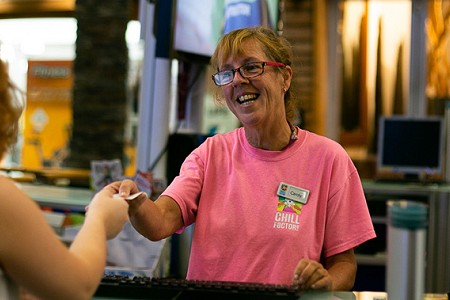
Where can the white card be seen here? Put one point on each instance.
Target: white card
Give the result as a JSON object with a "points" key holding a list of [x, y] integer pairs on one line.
{"points": [[130, 197]]}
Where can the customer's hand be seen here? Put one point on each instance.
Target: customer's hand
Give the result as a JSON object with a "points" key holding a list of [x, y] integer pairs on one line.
{"points": [[125, 188], [112, 211]]}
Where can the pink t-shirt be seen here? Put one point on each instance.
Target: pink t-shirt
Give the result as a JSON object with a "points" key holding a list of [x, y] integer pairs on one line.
{"points": [[244, 231]]}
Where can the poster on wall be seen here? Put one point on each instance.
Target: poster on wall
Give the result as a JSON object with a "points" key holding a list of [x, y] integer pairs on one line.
{"points": [[245, 13], [48, 114], [200, 24]]}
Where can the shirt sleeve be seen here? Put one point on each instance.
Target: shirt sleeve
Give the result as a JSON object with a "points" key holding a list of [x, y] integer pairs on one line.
{"points": [[348, 220], [185, 188]]}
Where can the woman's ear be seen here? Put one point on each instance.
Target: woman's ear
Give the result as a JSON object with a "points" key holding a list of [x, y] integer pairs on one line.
{"points": [[287, 77]]}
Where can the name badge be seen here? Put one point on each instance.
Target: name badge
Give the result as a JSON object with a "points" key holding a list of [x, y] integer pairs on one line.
{"points": [[293, 193]]}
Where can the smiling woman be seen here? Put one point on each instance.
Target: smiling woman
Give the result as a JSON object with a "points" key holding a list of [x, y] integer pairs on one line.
{"points": [[266, 188], [268, 89]]}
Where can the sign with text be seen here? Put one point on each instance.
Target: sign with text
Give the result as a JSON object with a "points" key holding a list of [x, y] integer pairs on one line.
{"points": [[48, 114]]}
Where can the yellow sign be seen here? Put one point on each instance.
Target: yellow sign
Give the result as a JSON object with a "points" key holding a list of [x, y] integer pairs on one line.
{"points": [[48, 113]]}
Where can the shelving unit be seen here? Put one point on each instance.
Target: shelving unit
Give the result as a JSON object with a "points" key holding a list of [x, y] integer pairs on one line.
{"points": [[373, 258]]}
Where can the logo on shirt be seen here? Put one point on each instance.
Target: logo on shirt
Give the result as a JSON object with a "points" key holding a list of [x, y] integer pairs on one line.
{"points": [[288, 205], [287, 215]]}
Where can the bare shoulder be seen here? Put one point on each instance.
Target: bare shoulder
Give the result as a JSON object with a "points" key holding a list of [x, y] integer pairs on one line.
{"points": [[15, 206], [6, 181], [8, 190]]}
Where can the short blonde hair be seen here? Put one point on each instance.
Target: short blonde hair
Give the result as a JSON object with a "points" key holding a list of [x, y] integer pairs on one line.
{"points": [[275, 47], [10, 110]]}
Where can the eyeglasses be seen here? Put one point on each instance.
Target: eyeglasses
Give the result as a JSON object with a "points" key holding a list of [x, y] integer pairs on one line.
{"points": [[248, 70]]}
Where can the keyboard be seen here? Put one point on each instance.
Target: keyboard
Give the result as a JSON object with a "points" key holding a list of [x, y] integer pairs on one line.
{"points": [[125, 287]]}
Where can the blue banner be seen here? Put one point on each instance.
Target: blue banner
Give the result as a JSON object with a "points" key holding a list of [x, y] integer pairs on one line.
{"points": [[245, 13]]}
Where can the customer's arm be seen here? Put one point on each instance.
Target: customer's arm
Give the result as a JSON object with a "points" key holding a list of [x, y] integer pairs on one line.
{"points": [[34, 257]]}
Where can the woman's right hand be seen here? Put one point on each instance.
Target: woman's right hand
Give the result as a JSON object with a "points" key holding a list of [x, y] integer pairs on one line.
{"points": [[153, 219], [126, 188]]}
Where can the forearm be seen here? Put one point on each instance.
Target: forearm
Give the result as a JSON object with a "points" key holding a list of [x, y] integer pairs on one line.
{"points": [[157, 220], [76, 275], [342, 273], [90, 249], [146, 221]]}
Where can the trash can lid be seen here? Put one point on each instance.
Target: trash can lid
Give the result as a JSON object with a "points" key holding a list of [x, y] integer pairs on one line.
{"points": [[407, 214]]}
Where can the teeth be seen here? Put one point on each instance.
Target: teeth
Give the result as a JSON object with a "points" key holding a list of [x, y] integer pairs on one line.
{"points": [[247, 97]]}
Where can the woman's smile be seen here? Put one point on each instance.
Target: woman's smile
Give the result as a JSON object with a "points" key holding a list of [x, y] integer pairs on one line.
{"points": [[247, 98]]}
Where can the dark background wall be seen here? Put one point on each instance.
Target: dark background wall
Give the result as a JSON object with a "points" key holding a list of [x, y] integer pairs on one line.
{"points": [[298, 30]]}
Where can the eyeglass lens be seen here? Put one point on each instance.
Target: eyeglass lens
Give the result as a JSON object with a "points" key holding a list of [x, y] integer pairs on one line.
{"points": [[247, 71]]}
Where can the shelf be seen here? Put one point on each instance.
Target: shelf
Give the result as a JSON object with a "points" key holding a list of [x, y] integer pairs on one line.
{"points": [[371, 260], [379, 220], [58, 197]]}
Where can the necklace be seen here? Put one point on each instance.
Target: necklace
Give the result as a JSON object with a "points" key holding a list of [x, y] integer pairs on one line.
{"points": [[294, 135], [292, 138]]}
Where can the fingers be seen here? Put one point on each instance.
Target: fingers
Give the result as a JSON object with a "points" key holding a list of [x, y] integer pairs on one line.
{"points": [[113, 212], [124, 188], [311, 274], [127, 187]]}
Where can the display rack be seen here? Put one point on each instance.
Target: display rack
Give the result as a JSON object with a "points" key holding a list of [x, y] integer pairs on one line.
{"points": [[437, 197]]}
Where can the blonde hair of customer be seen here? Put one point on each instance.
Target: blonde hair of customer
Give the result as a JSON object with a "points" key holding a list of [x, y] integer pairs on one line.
{"points": [[10, 110]]}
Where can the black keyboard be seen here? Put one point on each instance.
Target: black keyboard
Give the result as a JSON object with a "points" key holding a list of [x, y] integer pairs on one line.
{"points": [[124, 287]]}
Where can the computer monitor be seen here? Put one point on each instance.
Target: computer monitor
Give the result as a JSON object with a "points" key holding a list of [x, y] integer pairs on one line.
{"points": [[413, 148]]}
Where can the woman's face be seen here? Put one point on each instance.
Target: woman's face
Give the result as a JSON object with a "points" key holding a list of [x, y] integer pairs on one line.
{"points": [[258, 100]]}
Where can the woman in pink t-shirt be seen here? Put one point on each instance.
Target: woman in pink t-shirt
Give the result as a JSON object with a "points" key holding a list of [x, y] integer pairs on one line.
{"points": [[271, 203]]}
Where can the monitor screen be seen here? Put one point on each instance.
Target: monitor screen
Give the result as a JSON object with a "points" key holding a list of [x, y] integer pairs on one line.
{"points": [[412, 147]]}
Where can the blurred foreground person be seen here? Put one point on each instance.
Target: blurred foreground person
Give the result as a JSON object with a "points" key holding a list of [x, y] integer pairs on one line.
{"points": [[32, 256]]}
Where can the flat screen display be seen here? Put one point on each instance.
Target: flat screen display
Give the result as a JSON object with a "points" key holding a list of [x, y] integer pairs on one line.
{"points": [[413, 147]]}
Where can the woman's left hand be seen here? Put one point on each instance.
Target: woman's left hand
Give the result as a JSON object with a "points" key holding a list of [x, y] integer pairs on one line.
{"points": [[310, 274]]}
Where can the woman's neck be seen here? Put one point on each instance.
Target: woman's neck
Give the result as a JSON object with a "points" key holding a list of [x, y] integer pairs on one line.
{"points": [[274, 138]]}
